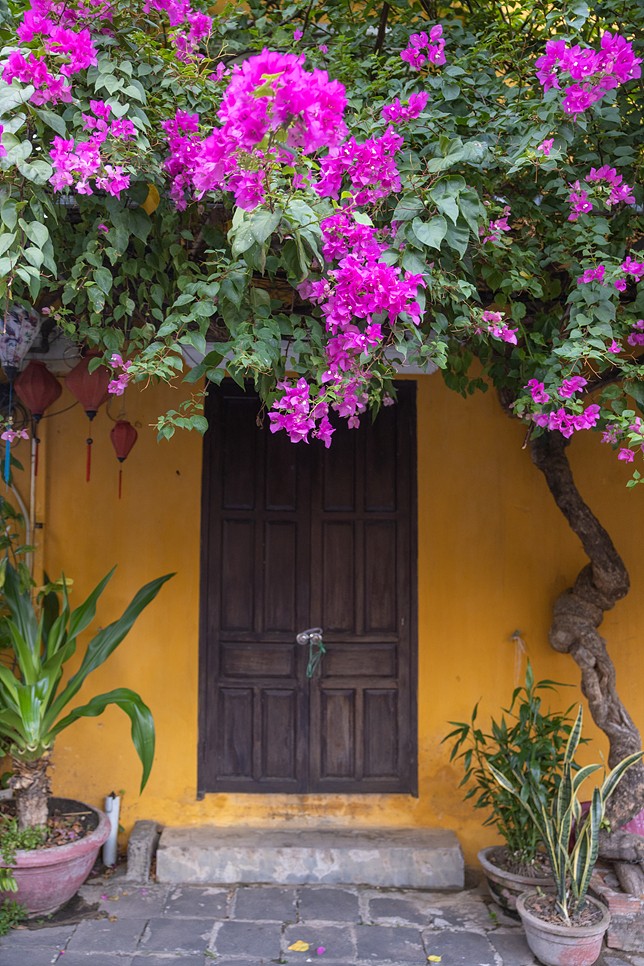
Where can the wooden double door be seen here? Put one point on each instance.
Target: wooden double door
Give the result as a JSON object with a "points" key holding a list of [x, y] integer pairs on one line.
{"points": [[296, 536]]}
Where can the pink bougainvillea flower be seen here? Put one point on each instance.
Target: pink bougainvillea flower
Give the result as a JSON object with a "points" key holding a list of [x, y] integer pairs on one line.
{"points": [[10, 435], [592, 72], [537, 390], [631, 267], [397, 113], [636, 337], [570, 386], [422, 48], [592, 275], [579, 202], [495, 228], [625, 454]]}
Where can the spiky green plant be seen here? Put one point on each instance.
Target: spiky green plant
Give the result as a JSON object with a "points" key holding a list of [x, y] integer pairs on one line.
{"points": [[570, 838], [34, 699]]}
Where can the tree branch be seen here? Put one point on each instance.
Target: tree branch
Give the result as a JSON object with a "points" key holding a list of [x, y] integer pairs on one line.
{"points": [[382, 28]]}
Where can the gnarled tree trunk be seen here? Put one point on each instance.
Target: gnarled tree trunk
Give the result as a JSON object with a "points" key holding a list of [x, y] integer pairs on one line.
{"points": [[577, 614]]}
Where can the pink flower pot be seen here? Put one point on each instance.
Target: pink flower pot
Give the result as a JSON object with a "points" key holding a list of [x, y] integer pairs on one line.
{"points": [[48, 878]]}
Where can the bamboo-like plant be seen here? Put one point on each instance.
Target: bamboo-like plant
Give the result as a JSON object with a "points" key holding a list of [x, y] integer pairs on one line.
{"points": [[42, 635], [525, 740], [570, 838]]}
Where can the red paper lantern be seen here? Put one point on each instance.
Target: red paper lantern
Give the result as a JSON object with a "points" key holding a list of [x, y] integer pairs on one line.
{"points": [[90, 388], [123, 436], [37, 388]]}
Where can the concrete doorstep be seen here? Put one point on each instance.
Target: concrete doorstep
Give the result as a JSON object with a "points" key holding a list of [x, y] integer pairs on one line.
{"points": [[416, 858]]}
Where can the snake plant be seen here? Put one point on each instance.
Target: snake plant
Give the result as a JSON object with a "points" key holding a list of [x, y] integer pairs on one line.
{"points": [[571, 838], [41, 636]]}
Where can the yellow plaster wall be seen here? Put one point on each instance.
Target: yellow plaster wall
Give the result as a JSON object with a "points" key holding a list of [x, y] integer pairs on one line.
{"points": [[493, 554]]}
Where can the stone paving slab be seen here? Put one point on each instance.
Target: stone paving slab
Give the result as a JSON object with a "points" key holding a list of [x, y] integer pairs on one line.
{"points": [[512, 948], [104, 936], [248, 939], [197, 903], [337, 942], [177, 935], [37, 957], [460, 948], [91, 959], [390, 944], [131, 901], [398, 910], [329, 905], [159, 960], [270, 903]]}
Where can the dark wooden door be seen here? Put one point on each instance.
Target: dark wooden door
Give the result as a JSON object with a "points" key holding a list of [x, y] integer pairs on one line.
{"points": [[296, 536]]}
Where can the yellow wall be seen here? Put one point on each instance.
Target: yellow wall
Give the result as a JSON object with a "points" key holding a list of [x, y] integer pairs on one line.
{"points": [[493, 554]]}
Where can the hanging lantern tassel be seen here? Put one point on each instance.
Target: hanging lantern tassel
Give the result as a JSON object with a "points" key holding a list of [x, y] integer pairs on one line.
{"points": [[123, 436], [90, 388], [88, 460], [37, 388]]}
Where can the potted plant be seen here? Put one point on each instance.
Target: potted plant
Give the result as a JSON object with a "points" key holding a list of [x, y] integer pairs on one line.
{"points": [[525, 740], [567, 927], [42, 633]]}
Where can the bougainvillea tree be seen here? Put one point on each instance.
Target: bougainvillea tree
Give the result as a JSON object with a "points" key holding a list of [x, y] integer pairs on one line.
{"points": [[312, 194]]}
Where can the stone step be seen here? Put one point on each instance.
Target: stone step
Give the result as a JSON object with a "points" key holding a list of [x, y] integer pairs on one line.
{"points": [[416, 858]]}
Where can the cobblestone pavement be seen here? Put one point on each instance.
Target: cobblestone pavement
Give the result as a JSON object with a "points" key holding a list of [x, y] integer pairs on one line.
{"points": [[163, 925]]}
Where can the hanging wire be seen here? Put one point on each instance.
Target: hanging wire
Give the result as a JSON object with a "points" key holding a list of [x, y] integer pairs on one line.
{"points": [[7, 452]]}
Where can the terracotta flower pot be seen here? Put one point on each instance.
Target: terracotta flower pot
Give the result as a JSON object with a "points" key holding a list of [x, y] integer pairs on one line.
{"points": [[555, 944], [48, 878], [506, 887]]}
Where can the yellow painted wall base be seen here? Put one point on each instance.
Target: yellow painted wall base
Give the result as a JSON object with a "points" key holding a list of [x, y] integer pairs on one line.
{"points": [[493, 555]]}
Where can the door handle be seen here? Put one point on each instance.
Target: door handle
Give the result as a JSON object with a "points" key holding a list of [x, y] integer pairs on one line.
{"points": [[312, 637]]}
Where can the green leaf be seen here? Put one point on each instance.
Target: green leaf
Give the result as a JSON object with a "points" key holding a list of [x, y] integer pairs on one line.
{"points": [[458, 237], [6, 241], [54, 121], [12, 95], [430, 233], [409, 206], [34, 256], [264, 223], [139, 714], [104, 280], [102, 645], [35, 232], [38, 171]]}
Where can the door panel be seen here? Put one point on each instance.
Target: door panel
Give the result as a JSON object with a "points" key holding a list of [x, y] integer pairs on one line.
{"points": [[297, 536]]}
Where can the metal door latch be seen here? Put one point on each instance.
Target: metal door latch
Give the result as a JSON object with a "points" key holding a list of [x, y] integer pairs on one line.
{"points": [[313, 637]]}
